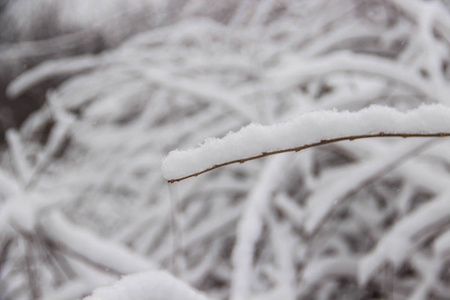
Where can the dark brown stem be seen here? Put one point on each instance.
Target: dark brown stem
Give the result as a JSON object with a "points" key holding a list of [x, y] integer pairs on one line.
{"points": [[322, 142]]}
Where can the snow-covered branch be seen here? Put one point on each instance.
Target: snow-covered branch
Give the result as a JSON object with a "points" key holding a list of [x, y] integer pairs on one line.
{"points": [[152, 285], [308, 130]]}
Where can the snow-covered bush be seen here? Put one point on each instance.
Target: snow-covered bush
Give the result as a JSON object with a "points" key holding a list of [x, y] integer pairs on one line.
{"points": [[83, 200]]}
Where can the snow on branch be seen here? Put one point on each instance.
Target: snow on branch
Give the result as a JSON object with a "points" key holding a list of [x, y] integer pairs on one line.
{"points": [[49, 70], [308, 130], [91, 248], [18, 157], [407, 234], [154, 285]]}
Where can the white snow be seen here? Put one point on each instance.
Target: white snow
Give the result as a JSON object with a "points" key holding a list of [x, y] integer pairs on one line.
{"points": [[329, 267], [94, 248], [19, 213], [442, 245], [403, 238], [152, 285], [48, 70], [307, 129], [19, 160], [250, 226]]}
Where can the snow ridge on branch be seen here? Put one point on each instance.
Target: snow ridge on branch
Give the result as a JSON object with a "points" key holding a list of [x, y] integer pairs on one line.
{"points": [[308, 130], [155, 285]]}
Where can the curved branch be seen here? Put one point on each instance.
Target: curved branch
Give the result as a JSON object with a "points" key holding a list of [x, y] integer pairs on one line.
{"points": [[322, 142], [308, 130]]}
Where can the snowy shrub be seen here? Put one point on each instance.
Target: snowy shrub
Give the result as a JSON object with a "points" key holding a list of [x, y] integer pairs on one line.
{"points": [[359, 213]]}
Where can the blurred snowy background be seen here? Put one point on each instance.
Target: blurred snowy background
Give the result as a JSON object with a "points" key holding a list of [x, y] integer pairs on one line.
{"points": [[93, 94]]}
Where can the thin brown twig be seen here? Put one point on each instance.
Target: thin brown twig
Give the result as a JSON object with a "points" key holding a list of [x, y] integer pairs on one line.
{"points": [[322, 142]]}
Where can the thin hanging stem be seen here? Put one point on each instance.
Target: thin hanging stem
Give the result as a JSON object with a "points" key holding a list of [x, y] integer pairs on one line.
{"points": [[176, 232]]}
